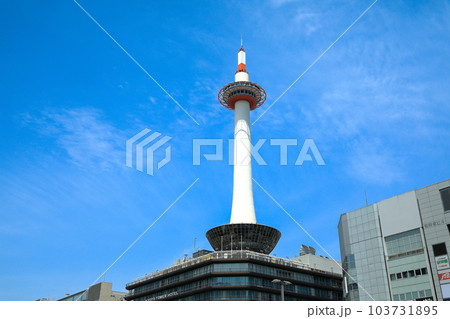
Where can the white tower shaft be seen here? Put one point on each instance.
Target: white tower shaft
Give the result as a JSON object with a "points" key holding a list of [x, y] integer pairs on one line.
{"points": [[242, 96], [243, 209]]}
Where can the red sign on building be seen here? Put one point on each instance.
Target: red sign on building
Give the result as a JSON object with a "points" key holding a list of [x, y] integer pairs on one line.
{"points": [[444, 277]]}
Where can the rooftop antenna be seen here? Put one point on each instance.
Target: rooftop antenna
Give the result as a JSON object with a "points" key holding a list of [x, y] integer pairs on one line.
{"points": [[365, 194], [241, 40]]}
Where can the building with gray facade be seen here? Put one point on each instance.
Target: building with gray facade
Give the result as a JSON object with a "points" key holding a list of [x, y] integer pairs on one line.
{"points": [[237, 275], [98, 292], [396, 249], [308, 257]]}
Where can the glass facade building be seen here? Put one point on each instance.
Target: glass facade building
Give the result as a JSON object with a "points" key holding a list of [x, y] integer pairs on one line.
{"points": [[237, 275], [396, 249]]}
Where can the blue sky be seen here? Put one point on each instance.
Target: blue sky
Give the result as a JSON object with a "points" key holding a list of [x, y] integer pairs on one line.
{"points": [[376, 106]]}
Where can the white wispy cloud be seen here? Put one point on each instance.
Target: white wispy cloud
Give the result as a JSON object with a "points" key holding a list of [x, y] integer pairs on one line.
{"points": [[203, 95], [307, 21], [83, 133], [152, 100]]}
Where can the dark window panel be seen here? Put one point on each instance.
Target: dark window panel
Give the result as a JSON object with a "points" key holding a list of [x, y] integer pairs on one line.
{"points": [[439, 249], [445, 197]]}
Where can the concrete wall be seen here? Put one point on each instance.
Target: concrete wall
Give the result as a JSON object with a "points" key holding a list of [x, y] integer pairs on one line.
{"points": [[320, 263], [399, 214]]}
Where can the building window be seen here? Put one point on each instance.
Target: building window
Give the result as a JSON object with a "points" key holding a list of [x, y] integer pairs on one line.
{"points": [[439, 249], [349, 262], [404, 242], [353, 286], [413, 295], [445, 197], [408, 274]]}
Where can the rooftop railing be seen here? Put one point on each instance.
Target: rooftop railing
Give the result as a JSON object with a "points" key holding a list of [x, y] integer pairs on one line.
{"points": [[229, 255]]}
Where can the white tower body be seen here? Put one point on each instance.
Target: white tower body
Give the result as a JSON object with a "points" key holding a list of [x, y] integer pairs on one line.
{"points": [[242, 96], [243, 208]]}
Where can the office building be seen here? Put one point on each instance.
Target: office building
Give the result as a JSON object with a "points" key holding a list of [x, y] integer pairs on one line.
{"points": [[237, 275], [396, 249]]}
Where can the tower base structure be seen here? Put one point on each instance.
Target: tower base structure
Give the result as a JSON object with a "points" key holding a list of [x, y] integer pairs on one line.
{"points": [[254, 237]]}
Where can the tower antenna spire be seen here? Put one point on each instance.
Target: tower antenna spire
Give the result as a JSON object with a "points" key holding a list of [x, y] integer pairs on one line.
{"points": [[241, 40]]}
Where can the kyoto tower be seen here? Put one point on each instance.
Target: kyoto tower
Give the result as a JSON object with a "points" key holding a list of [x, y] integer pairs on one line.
{"points": [[243, 233]]}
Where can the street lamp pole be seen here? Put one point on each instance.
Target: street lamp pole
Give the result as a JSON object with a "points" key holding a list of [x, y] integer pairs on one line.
{"points": [[283, 283]]}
